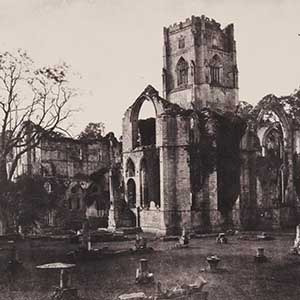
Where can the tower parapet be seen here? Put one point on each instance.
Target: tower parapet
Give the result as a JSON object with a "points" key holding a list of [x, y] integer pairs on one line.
{"points": [[200, 67]]}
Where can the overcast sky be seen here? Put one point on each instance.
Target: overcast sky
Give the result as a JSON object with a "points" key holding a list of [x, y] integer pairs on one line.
{"points": [[116, 45]]}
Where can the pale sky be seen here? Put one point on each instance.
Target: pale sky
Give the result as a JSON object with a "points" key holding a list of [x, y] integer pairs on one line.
{"points": [[116, 45]]}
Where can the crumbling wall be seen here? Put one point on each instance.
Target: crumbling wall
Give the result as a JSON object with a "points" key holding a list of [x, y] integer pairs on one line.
{"points": [[215, 169]]}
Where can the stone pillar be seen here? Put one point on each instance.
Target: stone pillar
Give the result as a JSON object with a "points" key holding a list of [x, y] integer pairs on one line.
{"points": [[113, 215], [260, 252], [142, 273], [213, 262], [260, 255], [297, 239], [64, 279], [13, 254], [138, 217], [214, 214], [85, 234], [248, 180], [172, 141], [144, 265], [1, 228]]}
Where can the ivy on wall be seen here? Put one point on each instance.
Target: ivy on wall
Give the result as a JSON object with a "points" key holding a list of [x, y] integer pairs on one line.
{"points": [[202, 151], [296, 160], [217, 149], [229, 133]]}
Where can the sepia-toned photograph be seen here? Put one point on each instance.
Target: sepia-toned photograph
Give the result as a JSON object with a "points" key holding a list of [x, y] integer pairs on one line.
{"points": [[149, 150]]}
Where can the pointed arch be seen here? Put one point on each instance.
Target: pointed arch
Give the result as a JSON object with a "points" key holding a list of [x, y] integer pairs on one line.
{"points": [[182, 68], [131, 193], [273, 141], [216, 67], [130, 168], [194, 130]]}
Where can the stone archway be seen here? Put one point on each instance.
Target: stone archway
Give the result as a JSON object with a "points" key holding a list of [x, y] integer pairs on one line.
{"points": [[267, 183], [131, 193]]}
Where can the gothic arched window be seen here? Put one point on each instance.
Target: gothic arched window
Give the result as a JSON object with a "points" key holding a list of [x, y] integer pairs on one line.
{"points": [[130, 168], [131, 193], [215, 70], [182, 68]]}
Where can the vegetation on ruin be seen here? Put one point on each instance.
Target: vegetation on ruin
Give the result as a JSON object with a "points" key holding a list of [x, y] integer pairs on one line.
{"points": [[270, 104], [34, 102], [29, 201], [218, 149], [230, 130], [92, 131]]}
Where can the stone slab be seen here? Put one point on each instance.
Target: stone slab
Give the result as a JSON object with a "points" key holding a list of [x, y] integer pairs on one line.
{"points": [[133, 296]]}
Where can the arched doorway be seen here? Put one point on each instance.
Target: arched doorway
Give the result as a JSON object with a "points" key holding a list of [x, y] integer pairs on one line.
{"points": [[131, 193]]}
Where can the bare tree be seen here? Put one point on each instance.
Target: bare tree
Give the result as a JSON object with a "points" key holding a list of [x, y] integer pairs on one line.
{"points": [[33, 103]]}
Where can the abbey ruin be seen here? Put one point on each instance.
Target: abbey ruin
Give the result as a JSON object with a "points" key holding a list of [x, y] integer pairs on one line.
{"points": [[207, 161], [204, 161]]}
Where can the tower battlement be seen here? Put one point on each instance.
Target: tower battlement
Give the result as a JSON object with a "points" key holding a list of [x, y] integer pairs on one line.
{"points": [[199, 22], [178, 26], [200, 64]]}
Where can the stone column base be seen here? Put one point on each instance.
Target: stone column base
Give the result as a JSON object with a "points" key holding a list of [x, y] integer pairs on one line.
{"points": [[111, 220], [65, 294]]}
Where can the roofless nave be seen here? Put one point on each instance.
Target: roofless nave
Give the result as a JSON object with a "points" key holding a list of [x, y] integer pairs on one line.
{"points": [[203, 161]]}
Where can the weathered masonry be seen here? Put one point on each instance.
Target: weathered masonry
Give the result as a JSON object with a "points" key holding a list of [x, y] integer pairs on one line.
{"points": [[195, 157], [200, 68], [196, 161], [80, 172]]}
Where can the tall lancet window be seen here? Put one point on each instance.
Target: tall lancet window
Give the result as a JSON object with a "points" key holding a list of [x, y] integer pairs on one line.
{"points": [[216, 70], [182, 69]]}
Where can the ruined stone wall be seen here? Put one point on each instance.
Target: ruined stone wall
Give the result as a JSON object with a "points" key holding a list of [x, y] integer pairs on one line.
{"points": [[182, 97], [73, 162], [175, 174], [174, 53], [269, 173], [69, 158], [148, 154]]}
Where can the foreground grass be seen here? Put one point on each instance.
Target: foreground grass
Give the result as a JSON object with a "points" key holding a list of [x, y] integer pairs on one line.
{"points": [[240, 278]]}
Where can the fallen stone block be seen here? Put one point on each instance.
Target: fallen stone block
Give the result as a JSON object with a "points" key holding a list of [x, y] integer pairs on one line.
{"points": [[260, 255], [133, 296]]}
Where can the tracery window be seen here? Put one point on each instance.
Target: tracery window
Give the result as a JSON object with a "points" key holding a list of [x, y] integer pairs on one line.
{"points": [[182, 72], [216, 70]]}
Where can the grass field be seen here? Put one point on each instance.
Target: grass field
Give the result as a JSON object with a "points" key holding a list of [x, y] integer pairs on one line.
{"points": [[106, 278]]}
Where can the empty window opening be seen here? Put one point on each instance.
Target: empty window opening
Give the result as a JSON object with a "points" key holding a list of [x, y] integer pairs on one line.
{"points": [[150, 181], [146, 125], [131, 193], [130, 168]]}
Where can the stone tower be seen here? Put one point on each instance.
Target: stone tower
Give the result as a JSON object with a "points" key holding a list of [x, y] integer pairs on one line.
{"points": [[200, 68]]}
